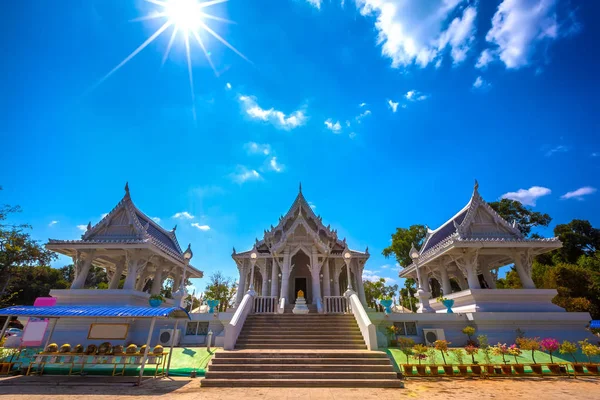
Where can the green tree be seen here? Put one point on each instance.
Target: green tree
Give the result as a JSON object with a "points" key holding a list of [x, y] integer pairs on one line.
{"points": [[377, 290], [31, 282], [579, 238], [402, 241], [17, 248], [513, 210], [221, 288], [409, 289]]}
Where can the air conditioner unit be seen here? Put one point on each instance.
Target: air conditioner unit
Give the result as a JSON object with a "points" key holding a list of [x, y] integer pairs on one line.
{"points": [[431, 335], [168, 337]]}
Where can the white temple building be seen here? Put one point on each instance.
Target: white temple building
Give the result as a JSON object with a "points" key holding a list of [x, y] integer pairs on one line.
{"points": [[300, 253]]}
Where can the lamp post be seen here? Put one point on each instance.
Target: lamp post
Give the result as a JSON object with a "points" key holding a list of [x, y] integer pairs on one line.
{"points": [[253, 257], [181, 292], [347, 259], [422, 294]]}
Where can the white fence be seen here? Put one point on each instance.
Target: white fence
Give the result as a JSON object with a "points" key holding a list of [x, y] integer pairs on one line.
{"points": [[265, 304], [336, 305]]}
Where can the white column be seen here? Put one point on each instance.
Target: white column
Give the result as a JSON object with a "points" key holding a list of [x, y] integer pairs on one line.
{"points": [[446, 286], [134, 266], [285, 276], [141, 282], [119, 267], [265, 278], [487, 275], [315, 272], [326, 279], [82, 269], [157, 280], [360, 286], [336, 278], [274, 277], [241, 289], [468, 264], [524, 270]]}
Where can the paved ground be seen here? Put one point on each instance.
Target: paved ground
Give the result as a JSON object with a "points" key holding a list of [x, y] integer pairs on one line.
{"points": [[186, 389]]}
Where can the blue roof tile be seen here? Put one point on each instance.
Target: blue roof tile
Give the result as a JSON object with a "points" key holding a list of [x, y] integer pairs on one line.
{"points": [[96, 311]]}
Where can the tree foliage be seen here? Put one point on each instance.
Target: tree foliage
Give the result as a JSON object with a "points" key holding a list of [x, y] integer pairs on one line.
{"points": [[378, 290], [513, 210], [221, 288], [31, 282], [402, 241]]}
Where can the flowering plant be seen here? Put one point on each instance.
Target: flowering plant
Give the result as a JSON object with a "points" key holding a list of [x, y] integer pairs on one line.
{"points": [[589, 349], [419, 351], [485, 347], [432, 355], [406, 345], [550, 345], [532, 344], [459, 355], [514, 351], [568, 347], [472, 350], [442, 347], [501, 350]]}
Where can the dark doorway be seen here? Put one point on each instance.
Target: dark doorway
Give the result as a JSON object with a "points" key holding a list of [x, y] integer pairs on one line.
{"points": [[299, 284]]}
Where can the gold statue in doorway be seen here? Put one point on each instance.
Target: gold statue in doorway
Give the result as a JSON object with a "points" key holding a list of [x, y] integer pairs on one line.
{"points": [[300, 293]]}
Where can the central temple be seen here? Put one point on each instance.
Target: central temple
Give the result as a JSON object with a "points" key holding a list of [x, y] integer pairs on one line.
{"points": [[300, 253]]}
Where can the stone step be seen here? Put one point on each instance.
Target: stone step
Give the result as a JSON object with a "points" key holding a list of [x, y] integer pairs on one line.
{"points": [[300, 355], [301, 346], [278, 340], [356, 383], [284, 316], [295, 335], [302, 367], [298, 375], [296, 325], [302, 361]]}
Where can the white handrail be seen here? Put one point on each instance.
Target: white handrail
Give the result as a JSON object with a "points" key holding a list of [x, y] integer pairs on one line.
{"points": [[234, 327], [319, 305], [265, 304], [281, 307], [336, 305], [367, 329]]}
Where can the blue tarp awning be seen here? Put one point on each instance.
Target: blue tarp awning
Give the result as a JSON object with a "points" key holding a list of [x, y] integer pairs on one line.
{"points": [[595, 324], [96, 312]]}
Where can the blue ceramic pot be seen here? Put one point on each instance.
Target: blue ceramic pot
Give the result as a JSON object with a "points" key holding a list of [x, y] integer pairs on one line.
{"points": [[155, 302], [387, 304], [212, 304], [448, 304]]}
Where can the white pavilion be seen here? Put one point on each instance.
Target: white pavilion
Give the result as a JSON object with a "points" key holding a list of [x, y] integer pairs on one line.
{"points": [[300, 253]]}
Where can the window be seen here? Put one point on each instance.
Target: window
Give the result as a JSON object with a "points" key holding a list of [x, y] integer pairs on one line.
{"points": [[406, 328], [196, 328]]}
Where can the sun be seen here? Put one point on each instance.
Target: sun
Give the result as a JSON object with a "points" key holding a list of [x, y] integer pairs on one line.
{"points": [[187, 17]]}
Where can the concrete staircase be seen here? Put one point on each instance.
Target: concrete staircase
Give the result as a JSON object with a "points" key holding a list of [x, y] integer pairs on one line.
{"points": [[312, 350]]}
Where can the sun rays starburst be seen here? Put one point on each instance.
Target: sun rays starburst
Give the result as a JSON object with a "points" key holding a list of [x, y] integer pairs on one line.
{"points": [[187, 18]]}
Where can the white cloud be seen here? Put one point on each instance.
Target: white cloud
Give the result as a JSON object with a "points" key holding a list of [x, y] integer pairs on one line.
{"points": [[528, 197], [201, 227], [275, 117], [257, 148], [418, 32], [393, 106], [362, 115], [362, 104], [557, 149], [372, 276], [228, 86], [156, 219], [519, 26], [243, 174], [386, 266], [82, 228], [415, 95], [315, 3], [103, 215], [275, 166], [481, 84], [183, 215], [52, 223], [312, 205], [352, 135], [484, 59], [579, 193], [335, 127]]}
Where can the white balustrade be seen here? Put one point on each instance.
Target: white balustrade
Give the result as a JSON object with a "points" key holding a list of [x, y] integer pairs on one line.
{"points": [[336, 305], [234, 327], [265, 304]]}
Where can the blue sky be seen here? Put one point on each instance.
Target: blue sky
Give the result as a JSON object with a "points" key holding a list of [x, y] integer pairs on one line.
{"points": [[386, 110]]}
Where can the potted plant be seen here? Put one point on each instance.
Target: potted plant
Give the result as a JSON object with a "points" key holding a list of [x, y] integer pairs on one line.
{"points": [[156, 300], [386, 303], [212, 304], [432, 359], [419, 352], [532, 344], [406, 345], [470, 331], [442, 347], [567, 347], [446, 303], [392, 331], [486, 350], [472, 350], [514, 351], [590, 350], [551, 345], [459, 356], [501, 349]]}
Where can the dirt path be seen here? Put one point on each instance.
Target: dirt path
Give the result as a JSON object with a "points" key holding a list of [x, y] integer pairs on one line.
{"points": [[185, 389]]}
